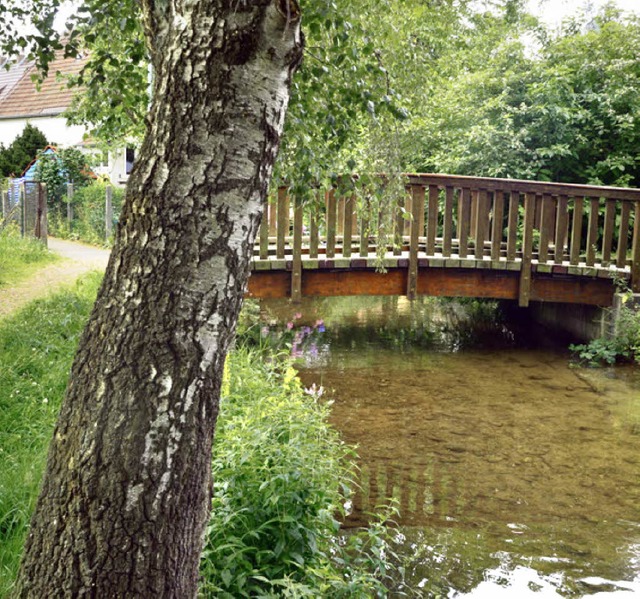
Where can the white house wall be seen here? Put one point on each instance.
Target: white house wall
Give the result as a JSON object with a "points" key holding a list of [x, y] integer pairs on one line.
{"points": [[55, 130]]}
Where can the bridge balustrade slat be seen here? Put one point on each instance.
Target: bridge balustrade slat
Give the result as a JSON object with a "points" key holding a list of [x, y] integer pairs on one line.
{"points": [[330, 200], [313, 236], [592, 233], [512, 225], [576, 230], [607, 234], [264, 231], [635, 252], [623, 235], [432, 219], [497, 217], [561, 233], [348, 226], [417, 227], [465, 222], [447, 224], [283, 223], [547, 225]]}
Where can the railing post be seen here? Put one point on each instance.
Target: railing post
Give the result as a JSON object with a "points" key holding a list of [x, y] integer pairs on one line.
{"points": [[108, 213], [464, 222], [296, 272], [496, 229], [512, 225], [576, 231], [562, 220], [347, 236], [635, 252], [331, 223], [432, 219], [264, 230], [527, 249], [417, 208], [282, 228], [447, 226], [623, 235]]}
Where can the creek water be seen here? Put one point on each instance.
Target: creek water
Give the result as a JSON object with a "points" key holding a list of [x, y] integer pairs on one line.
{"points": [[515, 473]]}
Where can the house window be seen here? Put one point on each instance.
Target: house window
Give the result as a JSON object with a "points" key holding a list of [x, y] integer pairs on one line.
{"points": [[130, 155]]}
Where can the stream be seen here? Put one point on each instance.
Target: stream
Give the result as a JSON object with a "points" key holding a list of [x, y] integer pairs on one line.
{"points": [[515, 473]]}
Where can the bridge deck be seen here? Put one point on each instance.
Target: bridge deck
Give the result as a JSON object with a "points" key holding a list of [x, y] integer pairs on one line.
{"points": [[475, 237]]}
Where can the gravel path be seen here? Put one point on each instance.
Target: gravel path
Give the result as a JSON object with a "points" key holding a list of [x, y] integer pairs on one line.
{"points": [[78, 259]]}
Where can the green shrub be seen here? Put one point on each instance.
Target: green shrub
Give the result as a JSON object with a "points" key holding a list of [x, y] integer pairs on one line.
{"points": [[623, 345], [282, 477], [89, 215]]}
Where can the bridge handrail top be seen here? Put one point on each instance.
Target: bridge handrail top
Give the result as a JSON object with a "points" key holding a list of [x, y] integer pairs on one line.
{"points": [[521, 185], [525, 186]]}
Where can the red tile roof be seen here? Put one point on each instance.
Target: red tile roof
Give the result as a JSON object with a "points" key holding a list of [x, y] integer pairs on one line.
{"points": [[22, 98]]}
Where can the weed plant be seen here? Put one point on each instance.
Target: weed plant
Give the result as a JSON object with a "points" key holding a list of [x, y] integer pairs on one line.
{"points": [[20, 257], [282, 476]]}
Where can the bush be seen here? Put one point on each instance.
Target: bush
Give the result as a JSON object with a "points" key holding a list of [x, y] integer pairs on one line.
{"points": [[89, 215], [281, 480]]}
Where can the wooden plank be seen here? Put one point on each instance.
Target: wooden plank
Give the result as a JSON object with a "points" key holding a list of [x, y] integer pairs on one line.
{"points": [[264, 230], [313, 235], [512, 225], [341, 211], [473, 225], [623, 235], [296, 271], [417, 206], [464, 221], [523, 186], [496, 229], [562, 219], [576, 231], [273, 217], [283, 222], [527, 250], [481, 222], [546, 226], [399, 227], [607, 233], [447, 227], [432, 219], [330, 199], [364, 229], [592, 233], [349, 206], [635, 252]]}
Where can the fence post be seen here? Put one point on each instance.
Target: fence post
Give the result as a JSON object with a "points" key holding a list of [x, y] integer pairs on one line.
{"points": [[41, 213], [108, 213], [23, 208], [6, 204], [69, 203]]}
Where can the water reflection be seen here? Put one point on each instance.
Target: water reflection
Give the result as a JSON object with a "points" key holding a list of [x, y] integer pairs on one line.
{"points": [[515, 473]]}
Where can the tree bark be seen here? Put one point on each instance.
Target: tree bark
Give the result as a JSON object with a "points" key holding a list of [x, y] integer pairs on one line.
{"points": [[126, 494]]}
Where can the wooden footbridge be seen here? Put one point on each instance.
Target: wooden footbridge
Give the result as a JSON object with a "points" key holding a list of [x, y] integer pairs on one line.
{"points": [[467, 236]]}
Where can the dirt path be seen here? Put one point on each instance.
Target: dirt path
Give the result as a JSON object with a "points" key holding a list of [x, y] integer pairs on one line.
{"points": [[78, 259]]}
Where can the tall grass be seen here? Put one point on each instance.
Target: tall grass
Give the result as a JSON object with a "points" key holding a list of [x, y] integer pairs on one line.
{"points": [[36, 348], [20, 257], [282, 475]]}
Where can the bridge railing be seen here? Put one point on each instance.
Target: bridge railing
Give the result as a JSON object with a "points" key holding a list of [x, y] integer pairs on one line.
{"points": [[463, 222]]}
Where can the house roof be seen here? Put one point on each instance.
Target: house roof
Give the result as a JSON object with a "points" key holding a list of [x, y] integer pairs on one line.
{"points": [[23, 98], [10, 77]]}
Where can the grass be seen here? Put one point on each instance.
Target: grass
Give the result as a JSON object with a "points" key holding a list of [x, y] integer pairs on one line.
{"points": [[37, 345], [20, 258], [281, 471]]}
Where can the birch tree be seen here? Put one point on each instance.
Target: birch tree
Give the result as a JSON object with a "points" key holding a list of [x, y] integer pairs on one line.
{"points": [[126, 493]]}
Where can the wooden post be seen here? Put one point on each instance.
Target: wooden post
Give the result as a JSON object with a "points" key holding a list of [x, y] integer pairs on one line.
{"points": [[417, 207], [264, 230], [70, 193], [527, 250], [447, 225], [313, 236], [42, 224], [635, 252], [273, 217], [512, 225], [108, 213], [623, 235], [576, 231], [464, 221], [364, 229], [607, 233], [546, 227], [592, 233], [399, 227], [23, 209], [296, 272], [282, 227], [347, 237], [481, 222], [432, 219], [562, 220], [331, 223], [496, 229]]}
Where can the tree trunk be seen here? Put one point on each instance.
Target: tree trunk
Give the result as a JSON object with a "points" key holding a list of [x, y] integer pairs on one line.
{"points": [[126, 494]]}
